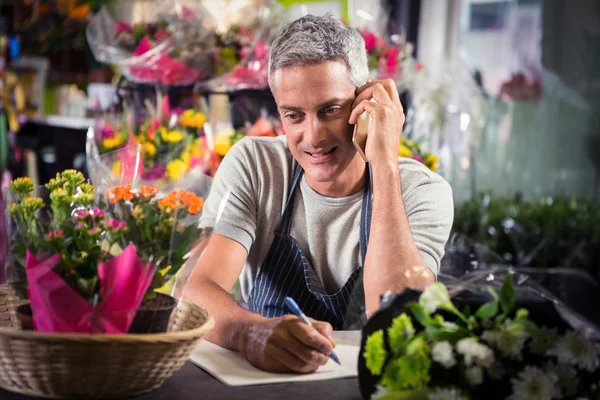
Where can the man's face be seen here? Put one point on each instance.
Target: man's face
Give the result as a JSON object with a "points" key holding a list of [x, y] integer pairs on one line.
{"points": [[314, 103]]}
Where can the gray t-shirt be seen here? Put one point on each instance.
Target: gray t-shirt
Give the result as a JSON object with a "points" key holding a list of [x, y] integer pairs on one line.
{"points": [[252, 185]]}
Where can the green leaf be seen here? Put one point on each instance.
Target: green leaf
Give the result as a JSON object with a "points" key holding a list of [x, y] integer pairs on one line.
{"points": [[507, 295], [487, 310], [523, 326], [421, 315], [493, 292], [439, 334]]}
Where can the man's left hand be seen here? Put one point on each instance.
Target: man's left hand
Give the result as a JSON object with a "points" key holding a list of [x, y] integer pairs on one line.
{"points": [[387, 119]]}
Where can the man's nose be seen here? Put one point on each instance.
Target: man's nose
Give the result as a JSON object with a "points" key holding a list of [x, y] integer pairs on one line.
{"points": [[315, 132]]}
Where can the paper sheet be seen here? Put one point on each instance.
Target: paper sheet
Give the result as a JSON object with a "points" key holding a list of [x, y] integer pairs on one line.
{"points": [[233, 370]]}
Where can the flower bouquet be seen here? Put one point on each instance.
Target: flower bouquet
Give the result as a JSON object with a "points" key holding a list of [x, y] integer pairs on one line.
{"points": [[497, 335], [92, 261], [171, 45], [412, 149], [166, 152]]}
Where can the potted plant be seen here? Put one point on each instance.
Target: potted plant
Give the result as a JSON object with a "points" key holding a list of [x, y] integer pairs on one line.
{"points": [[89, 268], [476, 341]]}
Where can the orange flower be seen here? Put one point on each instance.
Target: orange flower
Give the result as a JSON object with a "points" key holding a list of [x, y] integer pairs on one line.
{"points": [[147, 192], [179, 199], [119, 193]]}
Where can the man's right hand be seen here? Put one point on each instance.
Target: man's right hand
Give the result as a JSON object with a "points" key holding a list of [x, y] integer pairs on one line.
{"points": [[286, 344]]}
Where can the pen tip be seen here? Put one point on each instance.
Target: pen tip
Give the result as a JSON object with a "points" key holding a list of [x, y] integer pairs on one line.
{"points": [[335, 358]]}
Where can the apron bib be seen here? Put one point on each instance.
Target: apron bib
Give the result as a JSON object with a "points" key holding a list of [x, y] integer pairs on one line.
{"points": [[286, 272]]}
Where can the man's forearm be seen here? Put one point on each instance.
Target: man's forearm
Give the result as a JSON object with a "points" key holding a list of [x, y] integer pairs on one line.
{"points": [[392, 254], [231, 320]]}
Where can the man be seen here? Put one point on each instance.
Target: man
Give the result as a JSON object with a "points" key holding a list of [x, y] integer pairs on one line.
{"points": [[293, 215]]}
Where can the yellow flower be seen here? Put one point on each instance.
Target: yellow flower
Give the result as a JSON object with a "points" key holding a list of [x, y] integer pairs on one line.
{"points": [[431, 161], [116, 168], [175, 169], [223, 142], [149, 149], [140, 138], [185, 157], [404, 151], [111, 143], [22, 185], [192, 119], [172, 137]]}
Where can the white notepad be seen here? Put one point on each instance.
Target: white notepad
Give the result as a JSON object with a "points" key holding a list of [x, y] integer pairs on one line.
{"points": [[233, 370]]}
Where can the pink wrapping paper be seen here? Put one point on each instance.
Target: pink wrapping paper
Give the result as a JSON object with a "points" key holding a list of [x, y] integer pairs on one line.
{"points": [[57, 307]]}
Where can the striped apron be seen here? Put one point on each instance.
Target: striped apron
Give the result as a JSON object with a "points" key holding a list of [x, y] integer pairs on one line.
{"points": [[286, 272]]}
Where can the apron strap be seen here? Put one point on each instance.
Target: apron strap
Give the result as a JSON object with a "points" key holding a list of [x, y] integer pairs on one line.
{"points": [[365, 216], [285, 222]]}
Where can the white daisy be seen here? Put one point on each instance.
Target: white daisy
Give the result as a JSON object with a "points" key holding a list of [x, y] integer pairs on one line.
{"points": [[475, 352], [380, 391], [566, 377], [534, 384], [441, 352], [445, 394], [509, 344], [574, 349], [475, 375], [544, 340], [435, 296]]}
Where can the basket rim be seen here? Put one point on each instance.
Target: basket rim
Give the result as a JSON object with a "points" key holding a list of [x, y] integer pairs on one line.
{"points": [[188, 334]]}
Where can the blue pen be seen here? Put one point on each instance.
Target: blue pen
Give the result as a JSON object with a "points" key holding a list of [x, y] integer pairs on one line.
{"points": [[293, 306]]}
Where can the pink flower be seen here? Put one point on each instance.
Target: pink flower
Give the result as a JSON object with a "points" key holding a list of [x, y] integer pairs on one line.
{"points": [[55, 234], [97, 213], [418, 66], [95, 230], [419, 159], [114, 225], [370, 39], [107, 131], [81, 226], [153, 126], [82, 214]]}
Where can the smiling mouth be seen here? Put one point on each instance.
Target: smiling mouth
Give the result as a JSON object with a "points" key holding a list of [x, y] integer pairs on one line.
{"points": [[322, 154]]}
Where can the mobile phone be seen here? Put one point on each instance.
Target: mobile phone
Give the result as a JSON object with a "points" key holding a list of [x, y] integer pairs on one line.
{"points": [[361, 132]]}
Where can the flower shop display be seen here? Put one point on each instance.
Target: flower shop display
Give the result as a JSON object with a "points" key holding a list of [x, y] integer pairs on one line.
{"points": [[495, 335], [184, 44], [168, 150], [537, 233], [91, 260]]}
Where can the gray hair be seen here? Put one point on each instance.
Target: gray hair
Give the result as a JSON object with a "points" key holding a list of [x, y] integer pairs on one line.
{"points": [[314, 40]]}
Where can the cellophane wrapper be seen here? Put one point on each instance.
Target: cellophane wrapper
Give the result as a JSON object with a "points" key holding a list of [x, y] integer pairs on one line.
{"points": [[154, 41]]}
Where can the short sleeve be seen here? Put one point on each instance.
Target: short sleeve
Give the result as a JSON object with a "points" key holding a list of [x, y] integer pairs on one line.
{"points": [[430, 211], [231, 206]]}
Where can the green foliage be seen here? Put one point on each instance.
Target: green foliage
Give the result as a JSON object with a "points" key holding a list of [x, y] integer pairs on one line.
{"points": [[551, 232]]}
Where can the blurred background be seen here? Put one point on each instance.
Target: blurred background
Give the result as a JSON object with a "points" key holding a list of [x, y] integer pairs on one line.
{"points": [[502, 99]]}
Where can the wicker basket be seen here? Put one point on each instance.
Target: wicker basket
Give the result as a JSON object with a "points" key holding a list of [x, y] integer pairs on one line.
{"points": [[93, 366]]}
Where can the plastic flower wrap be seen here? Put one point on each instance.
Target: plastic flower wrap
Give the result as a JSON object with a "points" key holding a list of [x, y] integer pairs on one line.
{"points": [[497, 334], [167, 42], [165, 151]]}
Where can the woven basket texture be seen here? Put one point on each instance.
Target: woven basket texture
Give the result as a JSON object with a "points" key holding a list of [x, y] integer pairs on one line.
{"points": [[94, 366]]}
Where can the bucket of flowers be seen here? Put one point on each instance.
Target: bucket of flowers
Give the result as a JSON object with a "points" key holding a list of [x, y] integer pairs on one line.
{"points": [[500, 336]]}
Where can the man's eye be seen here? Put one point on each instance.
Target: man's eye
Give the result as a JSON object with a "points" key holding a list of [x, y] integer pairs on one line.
{"points": [[292, 116], [331, 110]]}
